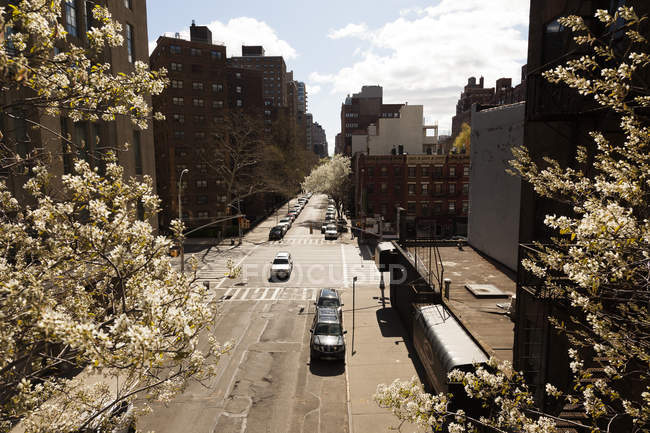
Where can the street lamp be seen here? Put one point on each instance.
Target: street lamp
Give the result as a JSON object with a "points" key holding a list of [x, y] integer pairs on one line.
{"points": [[180, 216], [354, 280]]}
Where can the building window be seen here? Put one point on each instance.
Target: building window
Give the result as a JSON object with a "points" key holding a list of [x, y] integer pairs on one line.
{"points": [[398, 171], [176, 66], [410, 208], [437, 171], [370, 188], [384, 187], [452, 207], [128, 4], [425, 210], [217, 88], [452, 188], [215, 55], [179, 134], [217, 104], [237, 74], [437, 208], [238, 89], [397, 188], [178, 100], [180, 118], [199, 135], [130, 45], [425, 188], [195, 51], [202, 199], [199, 118], [197, 85], [180, 152], [466, 188], [201, 183], [71, 17], [197, 102], [174, 49], [437, 188], [203, 214], [466, 170], [137, 152], [452, 171], [202, 168], [465, 207], [424, 171], [239, 103], [411, 171], [383, 171], [370, 171], [411, 188], [177, 84]]}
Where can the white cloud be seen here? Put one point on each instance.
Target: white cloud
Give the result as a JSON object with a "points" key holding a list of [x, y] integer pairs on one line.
{"points": [[313, 89], [351, 30], [244, 31], [425, 56]]}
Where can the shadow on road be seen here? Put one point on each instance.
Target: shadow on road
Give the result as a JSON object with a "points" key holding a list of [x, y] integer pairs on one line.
{"points": [[325, 368]]}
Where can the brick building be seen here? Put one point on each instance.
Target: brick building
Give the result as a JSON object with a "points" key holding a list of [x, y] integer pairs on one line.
{"points": [[359, 111], [202, 88], [433, 190], [473, 93], [273, 70]]}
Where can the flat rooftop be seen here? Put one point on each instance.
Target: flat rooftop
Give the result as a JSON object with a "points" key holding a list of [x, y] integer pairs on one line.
{"points": [[487, 322]]}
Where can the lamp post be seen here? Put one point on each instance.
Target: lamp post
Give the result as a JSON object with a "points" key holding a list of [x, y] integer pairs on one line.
{"points": [[180, 216], [354, 280]]}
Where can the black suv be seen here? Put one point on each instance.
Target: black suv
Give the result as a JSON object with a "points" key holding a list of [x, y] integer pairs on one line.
{"points": [[330, 298], [276, 232], [327, 332]]}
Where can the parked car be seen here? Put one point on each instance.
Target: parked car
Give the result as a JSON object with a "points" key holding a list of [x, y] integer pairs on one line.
{"points": [[342, 225], [327, 332], [276, 233], [324, 226], [286, 220], [329, 298], [281, 266], [331, 232]]}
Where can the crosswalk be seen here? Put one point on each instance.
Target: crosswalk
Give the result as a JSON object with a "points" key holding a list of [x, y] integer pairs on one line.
{"points": [[233, 294], [304, 241]]}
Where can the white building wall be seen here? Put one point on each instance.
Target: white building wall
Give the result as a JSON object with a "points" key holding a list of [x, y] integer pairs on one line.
{"points": [[494, 195]]}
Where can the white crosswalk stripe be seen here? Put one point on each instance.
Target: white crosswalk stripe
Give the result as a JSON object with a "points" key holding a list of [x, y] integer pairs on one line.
{"points": [[303, 241], [267, 294]]}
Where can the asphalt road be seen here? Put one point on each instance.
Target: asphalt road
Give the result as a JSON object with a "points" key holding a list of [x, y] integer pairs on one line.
{"points": [[267, 382]]}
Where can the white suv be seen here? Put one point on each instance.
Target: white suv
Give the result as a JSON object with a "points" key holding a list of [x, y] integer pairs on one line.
{"points": [[281, 266]]}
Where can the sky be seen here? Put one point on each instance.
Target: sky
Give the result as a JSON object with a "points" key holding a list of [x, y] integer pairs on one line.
{"points": [[420, 52]]}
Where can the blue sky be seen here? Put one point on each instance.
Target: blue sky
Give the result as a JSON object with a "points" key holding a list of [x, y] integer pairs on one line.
{"points": [[421, 52]]}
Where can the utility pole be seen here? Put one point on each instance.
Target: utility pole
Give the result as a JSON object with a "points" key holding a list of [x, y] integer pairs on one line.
{"points": [[239, 220], [180, 217], [354, 293]]}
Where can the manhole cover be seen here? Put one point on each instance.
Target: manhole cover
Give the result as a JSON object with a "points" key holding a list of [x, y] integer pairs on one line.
{"points": [[486, 291]]}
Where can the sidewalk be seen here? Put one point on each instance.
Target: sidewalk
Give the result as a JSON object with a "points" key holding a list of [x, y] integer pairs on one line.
{"points": [[380, 356]]}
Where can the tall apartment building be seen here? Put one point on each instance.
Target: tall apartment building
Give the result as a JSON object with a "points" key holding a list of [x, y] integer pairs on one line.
{"points": [[202, 88], [360, 110], [309, 122], [319, 140], [473, 93], [557, 120], [97, 136], [273, 70]]}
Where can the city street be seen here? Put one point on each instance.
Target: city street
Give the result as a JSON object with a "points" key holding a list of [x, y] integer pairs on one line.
{"points": [[267, 383]]}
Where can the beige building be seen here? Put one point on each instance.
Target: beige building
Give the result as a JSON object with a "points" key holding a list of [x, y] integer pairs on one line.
{"points": [[96, 137], [405, 134]]}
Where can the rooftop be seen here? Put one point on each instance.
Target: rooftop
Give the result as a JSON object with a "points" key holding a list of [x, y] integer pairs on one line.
{"points": [[488, 323]]}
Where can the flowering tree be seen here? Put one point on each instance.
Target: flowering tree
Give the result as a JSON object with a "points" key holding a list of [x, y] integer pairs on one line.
{"points": [[599, 262], [332, 177], [41, 71], [92, 314]]}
